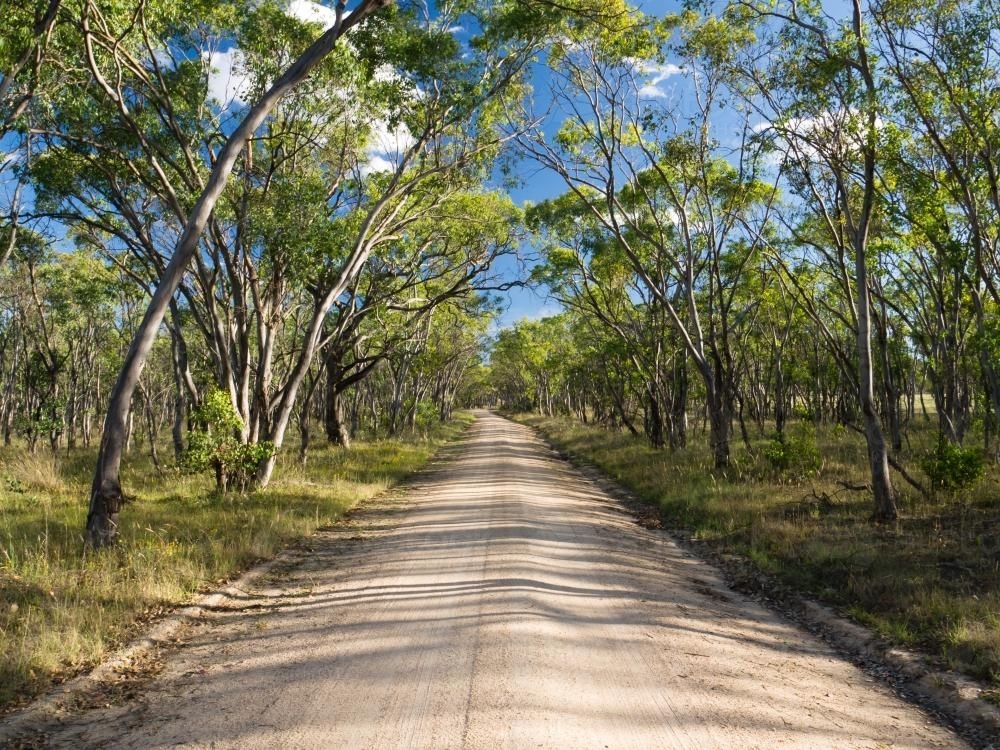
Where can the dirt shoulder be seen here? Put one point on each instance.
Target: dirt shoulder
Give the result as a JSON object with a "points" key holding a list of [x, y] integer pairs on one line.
{"points": [[502, 601]]}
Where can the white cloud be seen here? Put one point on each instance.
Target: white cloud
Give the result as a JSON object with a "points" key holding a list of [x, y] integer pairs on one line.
{"points": [[10, 150], [549, 309], [311, 12], [228, 81], [832, 131], [657, 76], [163, 59], [387, 146], [377, 163], [386, 74], [834, 134], [394, 141]]}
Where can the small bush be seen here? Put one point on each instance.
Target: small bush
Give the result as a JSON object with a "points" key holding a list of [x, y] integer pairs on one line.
{"points": [[803, 412], [217, 445], [951, 467], [427, 414], [794, 453]]}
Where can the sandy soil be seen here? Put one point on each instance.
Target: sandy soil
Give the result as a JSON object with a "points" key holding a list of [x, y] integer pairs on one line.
{"points": [[502, 601]]}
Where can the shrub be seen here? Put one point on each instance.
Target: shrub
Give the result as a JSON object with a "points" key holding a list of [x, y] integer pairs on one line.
{"points": [[427, 414], [215, 444], [951, 467], [794, 453]]}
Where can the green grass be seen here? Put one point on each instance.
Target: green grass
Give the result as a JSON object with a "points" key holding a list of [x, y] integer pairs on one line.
{"points": [[931, 581], [62, 610]]}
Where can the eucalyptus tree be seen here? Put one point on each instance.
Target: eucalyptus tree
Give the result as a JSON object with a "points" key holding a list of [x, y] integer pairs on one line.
{"points": [[446, 257], [57, 332], [685, 210], [586, 271], [421, 223], [455, 347], [614, 395], [512, 382], [513, 31], [130, 195], [528, 363], [28, 30], [25, 45], [944, 60], [930, 290], [814, 80], [81, 304], [125, 56], [34, 342]]}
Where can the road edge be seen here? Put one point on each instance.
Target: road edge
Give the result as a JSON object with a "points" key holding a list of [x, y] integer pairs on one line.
{"points": [[20, 723]]}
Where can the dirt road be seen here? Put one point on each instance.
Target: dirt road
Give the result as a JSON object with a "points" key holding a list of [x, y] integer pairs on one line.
{"points": [[502, 602]]}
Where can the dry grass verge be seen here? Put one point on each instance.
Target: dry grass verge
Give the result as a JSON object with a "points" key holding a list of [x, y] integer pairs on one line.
{"points": [[62, 610]]}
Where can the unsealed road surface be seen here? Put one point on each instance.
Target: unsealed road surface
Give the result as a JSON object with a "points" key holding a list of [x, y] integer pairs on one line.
{"points": [[501, 602]]}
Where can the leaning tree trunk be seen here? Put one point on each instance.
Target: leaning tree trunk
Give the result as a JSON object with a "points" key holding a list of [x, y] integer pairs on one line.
{"points": [[106, 490]]}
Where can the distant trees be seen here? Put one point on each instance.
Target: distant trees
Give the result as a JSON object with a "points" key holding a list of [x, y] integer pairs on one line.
{"points": [[818, 89], [58, 340], [659, 210]]}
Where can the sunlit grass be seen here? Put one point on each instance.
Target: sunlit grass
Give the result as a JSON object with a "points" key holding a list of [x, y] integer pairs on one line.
{"points": [[931, 580], [62, 609]]}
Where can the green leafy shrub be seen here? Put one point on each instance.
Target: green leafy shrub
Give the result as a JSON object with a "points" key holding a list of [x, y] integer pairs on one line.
{"points": [[427, 414], [951, 467], [803, 412], [794, 453], [215, 444]]}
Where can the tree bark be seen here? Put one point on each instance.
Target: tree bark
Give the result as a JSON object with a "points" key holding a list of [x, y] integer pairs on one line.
{"points": [[336, 427], [654, 418], [106, 490], [878, 454], [719, 424], [304, 434]]}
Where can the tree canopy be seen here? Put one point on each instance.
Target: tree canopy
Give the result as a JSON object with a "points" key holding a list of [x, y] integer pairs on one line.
{"points": [[768, 212]]}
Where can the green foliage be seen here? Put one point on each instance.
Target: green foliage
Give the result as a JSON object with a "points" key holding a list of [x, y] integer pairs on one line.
{"points": [[794, 453], [427, 414], [615, 26], [216, 445], [710, 38], [951, 467]]}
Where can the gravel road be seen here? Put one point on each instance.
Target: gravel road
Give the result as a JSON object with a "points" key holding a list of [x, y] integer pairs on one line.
{"points": [[501, 601]]}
